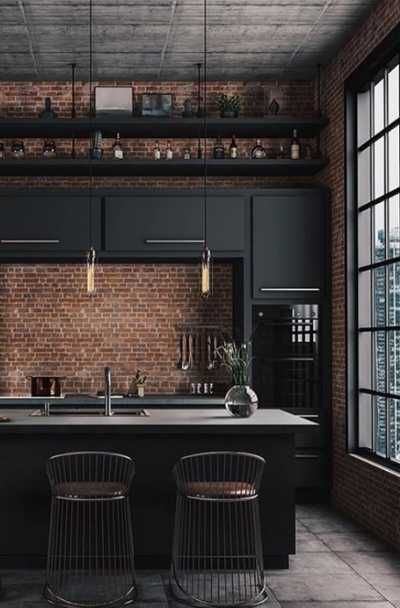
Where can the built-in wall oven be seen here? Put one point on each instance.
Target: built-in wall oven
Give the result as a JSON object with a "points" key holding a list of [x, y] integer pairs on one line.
{"points": [[290, 369]]}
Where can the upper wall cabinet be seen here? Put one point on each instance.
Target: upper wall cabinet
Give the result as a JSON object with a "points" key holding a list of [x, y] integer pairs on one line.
{"points": [[31, 224], [150, 224], [153, 223], [289, 243]]}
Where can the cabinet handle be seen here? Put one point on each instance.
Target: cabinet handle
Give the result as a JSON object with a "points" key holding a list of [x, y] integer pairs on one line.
{"points": [[29, 241], [289, 289], [174, 241]]}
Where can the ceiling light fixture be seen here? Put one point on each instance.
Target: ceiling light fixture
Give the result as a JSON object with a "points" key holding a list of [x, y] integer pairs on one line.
{"points": [[91, 254], [206, 257]]}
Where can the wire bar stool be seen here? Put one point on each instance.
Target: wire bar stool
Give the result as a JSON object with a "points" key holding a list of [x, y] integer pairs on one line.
{"points": [[217, 554], [90, 552]]}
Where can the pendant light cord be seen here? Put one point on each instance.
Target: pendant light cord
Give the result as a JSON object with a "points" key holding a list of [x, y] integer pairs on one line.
{"points": [[91, 120], [205, 123]]}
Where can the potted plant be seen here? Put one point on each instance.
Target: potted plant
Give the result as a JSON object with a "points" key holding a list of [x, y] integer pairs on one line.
{"points": [[139, 381], [240, 400], [229, 106]]}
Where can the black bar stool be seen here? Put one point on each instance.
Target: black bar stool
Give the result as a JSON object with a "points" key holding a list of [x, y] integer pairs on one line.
{"points": [[217, 555], [90, 553]]}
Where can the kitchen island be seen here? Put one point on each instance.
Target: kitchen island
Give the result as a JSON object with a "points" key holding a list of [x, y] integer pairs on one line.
{"points": [[155, 442]]}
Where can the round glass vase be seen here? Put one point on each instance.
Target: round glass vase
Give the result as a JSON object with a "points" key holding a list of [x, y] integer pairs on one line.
{"points": [[241, 401]]}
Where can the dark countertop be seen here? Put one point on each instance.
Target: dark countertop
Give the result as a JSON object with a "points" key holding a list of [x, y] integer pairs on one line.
{"points": [[166, 421]]}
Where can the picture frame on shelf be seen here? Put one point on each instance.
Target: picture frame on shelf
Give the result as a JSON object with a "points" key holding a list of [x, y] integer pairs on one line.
{"points": [[157, 105], [114, 101]]}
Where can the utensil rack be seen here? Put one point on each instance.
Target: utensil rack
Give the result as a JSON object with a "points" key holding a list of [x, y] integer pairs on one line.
{"points": [[197, 344]]}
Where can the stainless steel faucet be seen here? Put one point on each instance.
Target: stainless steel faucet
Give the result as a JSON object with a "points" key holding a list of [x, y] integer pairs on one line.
{"points": [[107, 393]]}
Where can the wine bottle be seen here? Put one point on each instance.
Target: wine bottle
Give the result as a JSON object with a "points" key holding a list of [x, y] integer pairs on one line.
{"points": [[169, 155], [258, 151], [219, 149], [118, 153], [233, 151], [157, 151], [295, 146]]}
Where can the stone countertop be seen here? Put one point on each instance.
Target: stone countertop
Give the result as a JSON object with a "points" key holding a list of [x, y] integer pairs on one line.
{"points": [[160, 421]]}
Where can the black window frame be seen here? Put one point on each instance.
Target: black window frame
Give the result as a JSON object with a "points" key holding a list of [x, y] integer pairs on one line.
{"points": [[368, 73]]}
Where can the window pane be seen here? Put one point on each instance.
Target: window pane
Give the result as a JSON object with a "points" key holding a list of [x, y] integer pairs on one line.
{"points": [[394, 226], [380, 426], [363, 117], [364, 177], [394, 410], [394, 293], [365, 421], [379, 232], [379, 297], [379, 167], [380, 361], [365, 360], [393, 94], [364, 238], [394, 362], [394, 159], [364, 299], [379, 106]]}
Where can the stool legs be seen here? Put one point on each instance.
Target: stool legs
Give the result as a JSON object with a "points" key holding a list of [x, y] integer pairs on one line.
{"points": [[217, 552], [90, 553]]}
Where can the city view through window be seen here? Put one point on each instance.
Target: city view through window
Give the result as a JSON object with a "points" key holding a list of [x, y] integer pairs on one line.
{"points": [[378, 263]]}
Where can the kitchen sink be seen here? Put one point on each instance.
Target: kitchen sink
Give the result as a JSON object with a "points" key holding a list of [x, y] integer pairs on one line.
{"points": [[89, 411]]}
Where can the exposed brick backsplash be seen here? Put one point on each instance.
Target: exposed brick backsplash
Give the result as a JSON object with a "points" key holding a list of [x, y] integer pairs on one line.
{"points": [[49, 325], [369, 495]]}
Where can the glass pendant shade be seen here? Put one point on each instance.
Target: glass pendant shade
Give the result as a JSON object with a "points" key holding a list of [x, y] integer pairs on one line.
{"points": [[206, 273], [91, 258]]}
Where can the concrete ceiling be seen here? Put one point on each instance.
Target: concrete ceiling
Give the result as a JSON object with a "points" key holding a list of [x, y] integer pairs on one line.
{"points": [[162, 39]]}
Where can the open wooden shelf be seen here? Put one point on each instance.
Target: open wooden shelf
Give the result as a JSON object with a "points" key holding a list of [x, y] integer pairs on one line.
{"points": [[226, 167], [268, 126]]}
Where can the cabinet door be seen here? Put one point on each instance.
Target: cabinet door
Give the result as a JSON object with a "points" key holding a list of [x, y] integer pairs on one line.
{"points": [[153, 223], [226, 221], [38, 223], [289, 235]]}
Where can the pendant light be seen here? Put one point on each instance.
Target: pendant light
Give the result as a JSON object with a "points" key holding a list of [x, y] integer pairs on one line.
{"points": [[206, 257], [91, 255]]}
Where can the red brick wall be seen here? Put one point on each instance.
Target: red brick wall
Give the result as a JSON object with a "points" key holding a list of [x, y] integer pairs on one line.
{"points": [[48, 323], [369, 495], [26, 99]]}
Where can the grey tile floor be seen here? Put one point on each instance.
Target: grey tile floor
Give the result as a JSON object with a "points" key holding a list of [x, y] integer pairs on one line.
{"points": [[337, 565]]}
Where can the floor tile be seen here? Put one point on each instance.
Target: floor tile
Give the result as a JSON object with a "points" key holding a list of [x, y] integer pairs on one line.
{"points": [[314, 563], [321, 588], [332, 524], [352, 541], [312, 511], [372, 563], [349, 604], [387, 584], [307, 542]]}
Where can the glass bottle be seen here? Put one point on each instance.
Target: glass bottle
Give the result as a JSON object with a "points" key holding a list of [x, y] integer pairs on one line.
{"points": [[295, 146], [157, 151], [169, 155], [118, 153], [219, 149], [49, 149], [258, 151], [18, 150], [233, 151], [2, 151], [187, 155]]}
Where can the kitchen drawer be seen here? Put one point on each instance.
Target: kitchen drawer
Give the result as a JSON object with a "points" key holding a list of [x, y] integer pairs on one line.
{"points": [[39, 223], [310, 469]]}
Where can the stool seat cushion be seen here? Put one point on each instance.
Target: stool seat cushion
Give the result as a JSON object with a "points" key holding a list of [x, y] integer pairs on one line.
{"points": [[91, 489], [219, 489]]}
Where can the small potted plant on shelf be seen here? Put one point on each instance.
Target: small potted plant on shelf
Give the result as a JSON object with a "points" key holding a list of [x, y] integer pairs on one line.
{"points": [[240, 400], [139, 381], [229, 106]]}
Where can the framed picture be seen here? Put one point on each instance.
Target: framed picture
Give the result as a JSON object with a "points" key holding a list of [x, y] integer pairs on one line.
{"points": [[157, 104], [113, 100]]}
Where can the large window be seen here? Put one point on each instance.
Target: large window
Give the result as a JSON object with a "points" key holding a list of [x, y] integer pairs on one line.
{"points": [[378, 263]]}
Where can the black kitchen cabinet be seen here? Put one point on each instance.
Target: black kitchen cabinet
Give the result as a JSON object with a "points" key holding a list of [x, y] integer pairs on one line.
{"points": [[149, 224], [38, 223], [289, 242], [153, 223], [226, 223]]}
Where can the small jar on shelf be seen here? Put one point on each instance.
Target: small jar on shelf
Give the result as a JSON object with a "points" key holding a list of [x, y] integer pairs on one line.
{"points": [[2, 151], [49, 149], [18, 150]]}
